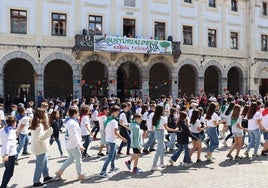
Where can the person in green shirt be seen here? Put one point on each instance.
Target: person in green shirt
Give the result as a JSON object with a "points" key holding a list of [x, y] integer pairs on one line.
{"points": [[136, 143]]}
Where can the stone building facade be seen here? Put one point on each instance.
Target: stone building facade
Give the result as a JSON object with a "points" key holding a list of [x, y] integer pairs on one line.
{"points": [[218, 46]]}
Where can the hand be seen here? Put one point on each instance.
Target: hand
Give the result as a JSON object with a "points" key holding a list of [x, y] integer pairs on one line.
{"points": [[124, 140], [5, 158], [177, 129], [82, 148]]}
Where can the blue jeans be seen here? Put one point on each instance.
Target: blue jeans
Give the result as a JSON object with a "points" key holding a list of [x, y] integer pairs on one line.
{"points": [[110, 158], [73, 154], [213, 138], [9, 170], [160, 150], [151, 141], [87, 140], [23, 143], [171, 143], [57, 140], [40, 167], [186, 158], [255, 139]]}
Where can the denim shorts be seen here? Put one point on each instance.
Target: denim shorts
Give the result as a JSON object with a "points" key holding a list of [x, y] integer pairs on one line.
{"points": [[265, 136], [237, 134]]}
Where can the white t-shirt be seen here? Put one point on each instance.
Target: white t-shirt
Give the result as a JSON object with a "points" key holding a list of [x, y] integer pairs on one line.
{"points": [[138, 110], [102, 119], [9, 142], [149, 121], [25, 122], [123, 119], [193, 127], [2, 115], [85, 121], [252, 123], [214, 117], [94, 115], [163, 121], [109, 131], [235, 129], [145, 116]]}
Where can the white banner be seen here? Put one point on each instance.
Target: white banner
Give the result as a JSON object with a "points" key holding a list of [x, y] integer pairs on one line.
{"points": [[132, 45]]}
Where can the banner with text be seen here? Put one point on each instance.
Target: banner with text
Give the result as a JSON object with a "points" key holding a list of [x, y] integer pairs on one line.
{"points": [[132, 45]]}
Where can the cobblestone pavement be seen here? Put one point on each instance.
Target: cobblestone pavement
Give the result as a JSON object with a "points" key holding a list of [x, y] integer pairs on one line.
{"points": [[246, 172]]}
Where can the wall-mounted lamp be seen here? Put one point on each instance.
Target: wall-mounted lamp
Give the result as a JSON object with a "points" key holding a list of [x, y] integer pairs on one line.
{"points": [[254, 61], [38, 49], [202, 60]]}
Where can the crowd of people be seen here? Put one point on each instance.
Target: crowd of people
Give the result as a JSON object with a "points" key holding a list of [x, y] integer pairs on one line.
{"points": [[142, 125]]}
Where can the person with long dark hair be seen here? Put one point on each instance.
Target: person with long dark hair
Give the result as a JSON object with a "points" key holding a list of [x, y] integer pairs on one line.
{"points": [[237, 131], [254, 125], [40, 134], [212, 121], [159, 123], [228, 114]]}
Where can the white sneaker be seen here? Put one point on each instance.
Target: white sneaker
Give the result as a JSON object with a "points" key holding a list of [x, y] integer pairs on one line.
{"points": [[187, 164], [162, 166], [171, 162], [224, 143], [156, 168]]}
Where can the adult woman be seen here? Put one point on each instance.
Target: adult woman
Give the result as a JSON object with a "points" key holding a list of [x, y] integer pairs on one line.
{"points": [[254, 125], [237, 131], [212, 120], [228, 114], [40, 134], [159, 123]]}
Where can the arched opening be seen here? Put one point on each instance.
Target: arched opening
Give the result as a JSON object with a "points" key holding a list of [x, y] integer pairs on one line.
{"points": [[212, 80], [234, 82], [94, 80], [187, 80], [128, 80], [159, 81], [58, 80], [263, 83], [19, 80]]}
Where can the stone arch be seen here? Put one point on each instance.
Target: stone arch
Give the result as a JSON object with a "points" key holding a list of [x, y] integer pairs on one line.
{"points": [[190, 62], [237, 65], [58, 56], [19, 55], [217, 65], [163, 60], [260, 68], [129, 58], [95, 57]]}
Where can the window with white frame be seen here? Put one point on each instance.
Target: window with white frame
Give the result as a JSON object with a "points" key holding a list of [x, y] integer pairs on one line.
{"points": [[264, 8], [95, 24], [59, 22], [234, 40], [212, 3], [263, 42], [212, 38], [18, 21], [187, 35], [234, 5], [130, 3], [187, 1], [159, 30]]}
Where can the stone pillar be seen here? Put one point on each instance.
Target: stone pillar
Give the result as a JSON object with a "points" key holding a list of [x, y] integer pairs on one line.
{"points": [[174, 85], [112, 77], [39, 85], [2, 84], [223, 84], [77, 89], [77, 77], [200, 87], [145, 86]]}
